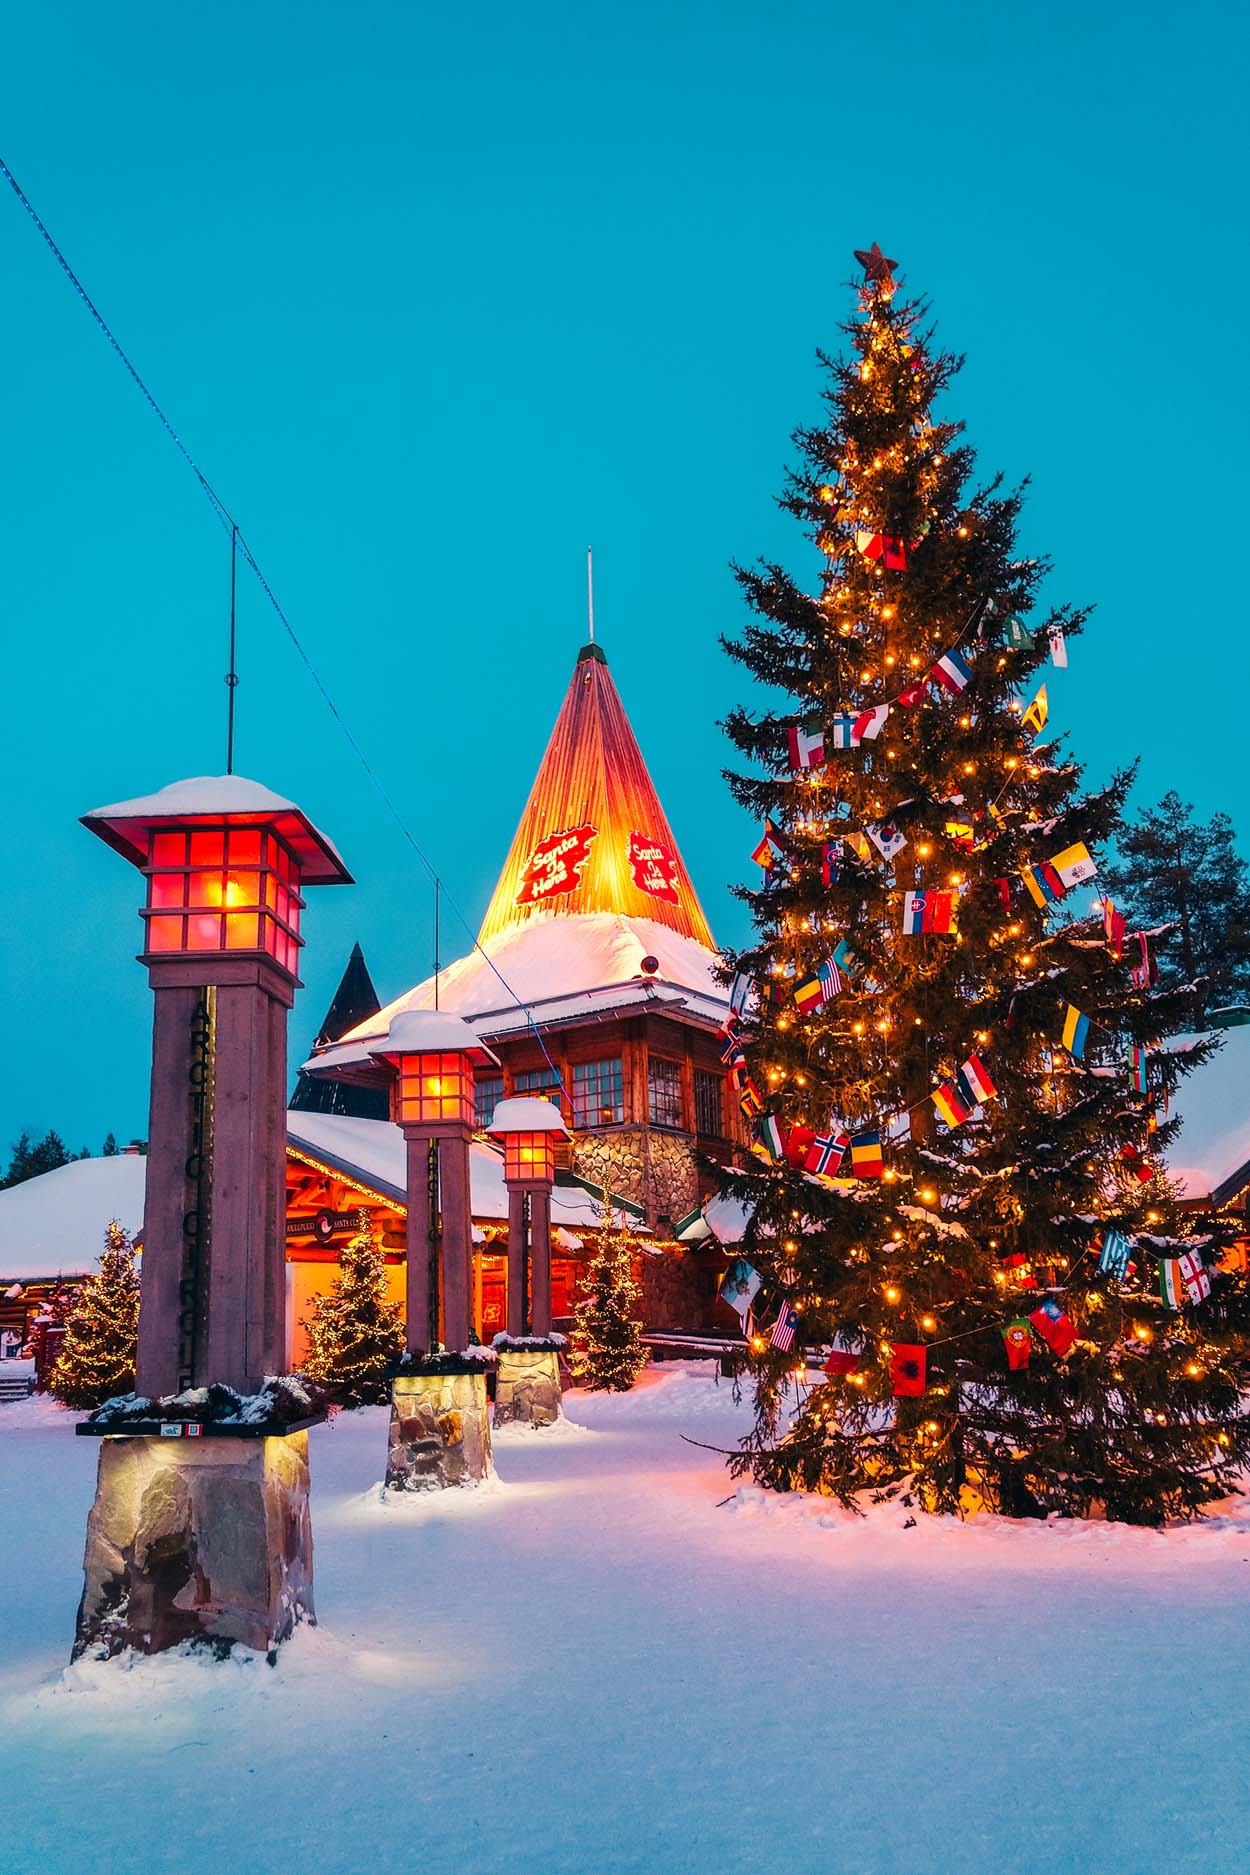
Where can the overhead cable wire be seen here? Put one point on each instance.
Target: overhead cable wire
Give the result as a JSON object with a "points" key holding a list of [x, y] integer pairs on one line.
{"points": [[227, 521]]}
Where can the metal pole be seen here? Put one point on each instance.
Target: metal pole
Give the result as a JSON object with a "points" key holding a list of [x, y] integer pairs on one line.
{"points": [[232, 675]]}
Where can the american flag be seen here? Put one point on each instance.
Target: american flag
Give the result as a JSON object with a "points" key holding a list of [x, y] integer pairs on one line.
{"points": [[785, 1328]]}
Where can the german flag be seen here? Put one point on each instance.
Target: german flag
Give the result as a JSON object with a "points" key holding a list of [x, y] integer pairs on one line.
{"points": [[950, 1107]]}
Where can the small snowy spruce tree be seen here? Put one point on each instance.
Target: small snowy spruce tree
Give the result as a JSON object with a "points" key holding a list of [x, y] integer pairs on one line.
{"points": [[607, 1351], [97, 1357], [353, 1332]]}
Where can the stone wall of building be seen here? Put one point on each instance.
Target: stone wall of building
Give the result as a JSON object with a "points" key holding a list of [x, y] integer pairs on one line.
{"points": [[656, 1170]]}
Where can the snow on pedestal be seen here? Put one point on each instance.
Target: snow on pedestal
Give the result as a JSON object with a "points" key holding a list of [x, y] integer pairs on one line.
{"points": [[440, 1425], [203, 1539], [527, 1380]]}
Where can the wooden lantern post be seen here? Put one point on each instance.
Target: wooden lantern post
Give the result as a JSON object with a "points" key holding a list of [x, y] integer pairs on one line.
{"points": [[528, 1129], [200, 1531], [432, 1056]]}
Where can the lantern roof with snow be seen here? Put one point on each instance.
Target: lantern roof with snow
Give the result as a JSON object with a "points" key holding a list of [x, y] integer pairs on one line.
{"points": [[431, 1032], [210, 801], [525, 1113]]}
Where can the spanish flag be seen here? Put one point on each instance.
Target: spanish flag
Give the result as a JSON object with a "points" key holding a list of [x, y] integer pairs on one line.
{"points": [[1075, 1030], [866, 1160], [770, 849]]}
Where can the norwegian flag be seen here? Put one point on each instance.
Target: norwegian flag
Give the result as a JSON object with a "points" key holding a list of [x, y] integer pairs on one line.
{"points": [[826, 1151], [785, 1328], [731, 1051]]}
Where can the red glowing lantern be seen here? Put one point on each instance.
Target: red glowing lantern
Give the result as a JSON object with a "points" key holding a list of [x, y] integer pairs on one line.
{"points": [[433, 1056], [224, 859], [529, 1129]]}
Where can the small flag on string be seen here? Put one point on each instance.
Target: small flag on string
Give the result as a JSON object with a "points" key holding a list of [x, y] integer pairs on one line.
{"points": [[1035, 715], [771, 848], [750, 1100], [961, 833], [769, 1136], [907, 1369], [731, 1051], [866, 1160], [815, 991], [785, 1328], [1074, 865], [949, 1105], [826, 1151], [929, 912], [807, 743], [858, 843], [1055, 1326], [952, 671], [831, 862], [1145, 972], [1003, 888], [1137, 1163], [739, 990], [973, 1082], [843, 960], [890, 549], [1018, 633], [1045, 885], [914, 694], [1138, 1068], [841, 1361], [1113, 1258], [798, 1140], [1113, 928], [869, 724], [1075, 1031], [1017, 1342], [1058, 648], [886, 837], [1183, 1279], [739, 1286], [843, 722]]}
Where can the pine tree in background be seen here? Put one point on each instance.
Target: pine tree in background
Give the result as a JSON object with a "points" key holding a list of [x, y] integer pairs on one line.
{"points": [[109, 1149], [1175, 871], [97, 1357], [954, 1056], [353, 1332], [607, 1351]]}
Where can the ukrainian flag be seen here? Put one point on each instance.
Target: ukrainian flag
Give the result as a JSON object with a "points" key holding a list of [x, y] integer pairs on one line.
{"points": [[1075, 1030]]}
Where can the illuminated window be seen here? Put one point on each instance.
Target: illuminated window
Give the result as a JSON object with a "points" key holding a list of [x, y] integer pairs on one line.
{"points": [[487, 1093], [709, 1115], [663, 1091], [598, 1093]]}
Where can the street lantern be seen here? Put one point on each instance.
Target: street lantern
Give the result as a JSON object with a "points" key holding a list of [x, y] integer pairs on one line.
{"points": [[529, 1130], [433, 1056], [225, 860]]}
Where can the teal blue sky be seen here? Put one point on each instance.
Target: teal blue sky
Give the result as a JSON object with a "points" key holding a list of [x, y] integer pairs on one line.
{"points": [[437, 296]]}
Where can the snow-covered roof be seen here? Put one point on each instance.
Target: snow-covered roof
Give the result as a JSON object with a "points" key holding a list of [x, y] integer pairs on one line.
{"points": [[558, 969], [1213, 1145], [53, 1225], [127, 825], [374, 1151]]}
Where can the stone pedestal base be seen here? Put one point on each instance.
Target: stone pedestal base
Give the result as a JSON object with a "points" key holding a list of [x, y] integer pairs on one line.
{"points": [[527, 1387], [206, 1540], [440, 1432]]}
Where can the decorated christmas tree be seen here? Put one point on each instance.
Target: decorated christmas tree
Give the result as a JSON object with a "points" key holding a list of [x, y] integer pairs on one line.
{"points": [[353, 1332], [607, 1351], [97, 1355], [948, 1046]]}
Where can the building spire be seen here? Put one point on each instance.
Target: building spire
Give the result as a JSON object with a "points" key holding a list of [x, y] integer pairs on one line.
{"points": [[590, 592], [593, 836]]}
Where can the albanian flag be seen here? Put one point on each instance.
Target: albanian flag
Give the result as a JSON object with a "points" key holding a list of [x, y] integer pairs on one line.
{"points": [[907, 1369]]}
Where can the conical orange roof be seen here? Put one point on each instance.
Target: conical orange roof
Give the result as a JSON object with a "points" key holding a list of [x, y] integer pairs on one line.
{"points": [[593, 836]]}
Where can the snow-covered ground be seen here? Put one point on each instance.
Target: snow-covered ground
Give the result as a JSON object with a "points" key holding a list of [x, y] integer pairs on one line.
{"points": [[597, 1666]]}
